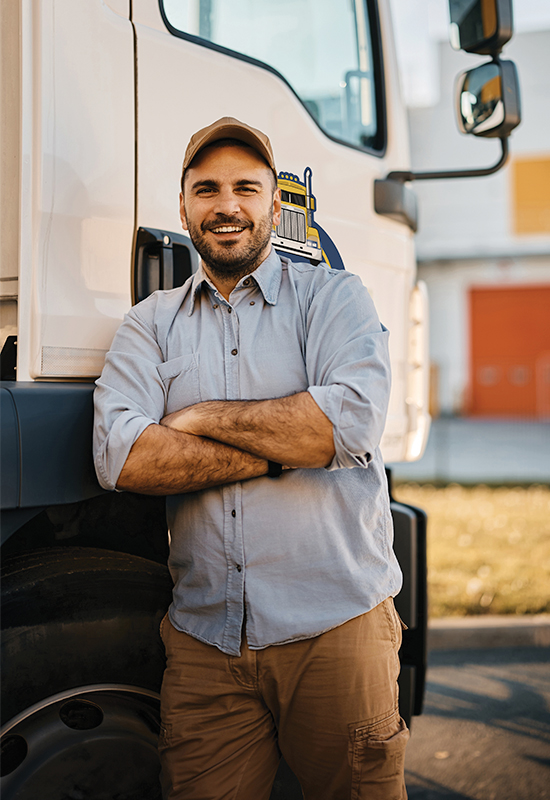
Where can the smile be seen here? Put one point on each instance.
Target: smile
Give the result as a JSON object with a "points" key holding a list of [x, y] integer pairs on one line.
{"points": [[227, 229]]}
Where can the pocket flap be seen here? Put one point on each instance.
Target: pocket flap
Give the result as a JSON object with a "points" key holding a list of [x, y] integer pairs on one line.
{"points": [[175, 366]]}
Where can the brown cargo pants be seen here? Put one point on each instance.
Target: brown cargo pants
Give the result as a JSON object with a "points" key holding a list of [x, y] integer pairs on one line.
{"points": [[327, 704]]}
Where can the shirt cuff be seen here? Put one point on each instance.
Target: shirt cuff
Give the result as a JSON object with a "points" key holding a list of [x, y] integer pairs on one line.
{"points": [[330, 400], [111, 458]]}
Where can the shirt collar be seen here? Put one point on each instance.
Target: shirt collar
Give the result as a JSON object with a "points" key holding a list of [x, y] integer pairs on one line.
{"points": [[267, 276]]}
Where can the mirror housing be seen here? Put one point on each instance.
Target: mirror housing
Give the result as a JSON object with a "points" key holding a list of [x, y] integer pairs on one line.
{"points": [[480, 26], [488, 100]]}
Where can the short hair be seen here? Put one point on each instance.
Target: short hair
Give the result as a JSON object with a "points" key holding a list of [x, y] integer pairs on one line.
{"points": [[228, 142]]}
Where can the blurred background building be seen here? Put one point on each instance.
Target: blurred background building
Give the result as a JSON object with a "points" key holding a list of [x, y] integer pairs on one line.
{"points": [[483, 245]]}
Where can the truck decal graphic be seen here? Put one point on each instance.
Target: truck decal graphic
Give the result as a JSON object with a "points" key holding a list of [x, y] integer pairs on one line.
{"points": [[298, 236]]}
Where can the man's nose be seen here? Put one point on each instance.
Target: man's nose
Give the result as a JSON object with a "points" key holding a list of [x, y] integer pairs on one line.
{"points": [[227, 202]]}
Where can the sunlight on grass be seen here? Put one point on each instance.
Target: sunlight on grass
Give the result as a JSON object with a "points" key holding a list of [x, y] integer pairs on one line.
{"points": [[488, 548]]}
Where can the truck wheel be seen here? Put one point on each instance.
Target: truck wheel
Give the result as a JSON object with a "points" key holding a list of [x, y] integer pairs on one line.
{"points": [[83, 664]]}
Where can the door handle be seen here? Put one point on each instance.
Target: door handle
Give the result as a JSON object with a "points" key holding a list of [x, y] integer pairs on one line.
{"points": [[162, 260]]}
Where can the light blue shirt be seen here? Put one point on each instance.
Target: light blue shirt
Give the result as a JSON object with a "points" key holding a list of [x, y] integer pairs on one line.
{"points": [[304, 552]]}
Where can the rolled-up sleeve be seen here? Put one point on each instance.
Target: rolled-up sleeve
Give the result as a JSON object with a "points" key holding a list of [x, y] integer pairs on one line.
{"points": [[348, 368], [129, 397]]}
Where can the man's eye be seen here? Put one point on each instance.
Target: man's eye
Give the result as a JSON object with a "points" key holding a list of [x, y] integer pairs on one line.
{"points": [[205, 190], [247, 189]]}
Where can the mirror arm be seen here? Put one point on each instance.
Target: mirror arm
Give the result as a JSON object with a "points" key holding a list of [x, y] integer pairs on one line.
{"points": [[403, 177]]}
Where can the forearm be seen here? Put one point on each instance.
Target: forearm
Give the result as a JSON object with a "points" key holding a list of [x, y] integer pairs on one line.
{"points": [[289, 430], [164, 461]]}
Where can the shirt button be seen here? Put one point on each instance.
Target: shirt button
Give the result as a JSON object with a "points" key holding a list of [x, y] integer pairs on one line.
{"points": [[215, 305], [234, 352], [239, 568], [246, 282], [229, 310], [233, 513], [252, 302]]}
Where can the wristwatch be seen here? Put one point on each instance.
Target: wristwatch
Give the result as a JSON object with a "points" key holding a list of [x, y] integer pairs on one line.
{"points": [[274, 469]]}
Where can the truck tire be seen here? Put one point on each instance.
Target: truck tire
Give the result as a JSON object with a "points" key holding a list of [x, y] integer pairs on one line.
{"points": [[82, 665]]}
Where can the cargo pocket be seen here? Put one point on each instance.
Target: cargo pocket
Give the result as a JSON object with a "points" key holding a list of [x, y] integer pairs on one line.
{"points": [[378, 759]]}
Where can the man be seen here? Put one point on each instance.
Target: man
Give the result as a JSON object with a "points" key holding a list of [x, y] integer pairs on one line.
{"points": [[254, 397]]}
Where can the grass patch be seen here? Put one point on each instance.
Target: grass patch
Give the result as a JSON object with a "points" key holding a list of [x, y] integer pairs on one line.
{"points": [[488, 548]]}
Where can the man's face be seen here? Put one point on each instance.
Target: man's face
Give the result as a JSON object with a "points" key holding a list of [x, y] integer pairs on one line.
{"points": [[228, 207]]}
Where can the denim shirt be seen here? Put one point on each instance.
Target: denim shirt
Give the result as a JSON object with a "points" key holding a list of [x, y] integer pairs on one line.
{"points": [[304, 552]]}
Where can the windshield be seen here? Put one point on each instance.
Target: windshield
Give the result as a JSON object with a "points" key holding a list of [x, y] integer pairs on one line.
{"points": [[322, 48]]}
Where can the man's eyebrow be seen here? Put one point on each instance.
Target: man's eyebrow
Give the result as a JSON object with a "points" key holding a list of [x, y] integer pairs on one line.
{"points": [[213, 184], [246, 182]]}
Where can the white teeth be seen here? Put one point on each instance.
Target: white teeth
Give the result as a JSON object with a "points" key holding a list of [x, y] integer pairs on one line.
{"points": [[227, 229]]}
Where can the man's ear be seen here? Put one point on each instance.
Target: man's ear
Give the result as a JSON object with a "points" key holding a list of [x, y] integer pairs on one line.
{"points": [[277, 207], [182, 214]]}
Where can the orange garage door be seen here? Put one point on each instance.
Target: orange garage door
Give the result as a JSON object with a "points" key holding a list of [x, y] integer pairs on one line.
{"points": [[510, 351]]}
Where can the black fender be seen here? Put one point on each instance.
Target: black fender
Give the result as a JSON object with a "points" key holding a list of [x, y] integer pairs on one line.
{"points": [[46, 456]]}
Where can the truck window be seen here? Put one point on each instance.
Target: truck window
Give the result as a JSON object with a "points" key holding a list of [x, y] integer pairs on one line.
{"points": [[323, 49]]}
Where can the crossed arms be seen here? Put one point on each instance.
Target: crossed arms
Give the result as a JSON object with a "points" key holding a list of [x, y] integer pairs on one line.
{"points": [[222, 441], [337, 423]]}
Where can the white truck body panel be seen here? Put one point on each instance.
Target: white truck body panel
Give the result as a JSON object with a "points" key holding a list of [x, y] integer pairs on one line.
{"points": [[77, 186]]}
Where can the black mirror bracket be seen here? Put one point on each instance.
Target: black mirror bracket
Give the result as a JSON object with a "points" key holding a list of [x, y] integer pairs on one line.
{"points": [[403, 177]]}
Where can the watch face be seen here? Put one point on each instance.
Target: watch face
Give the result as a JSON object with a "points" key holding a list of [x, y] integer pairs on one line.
{"points": [[274, 469]]}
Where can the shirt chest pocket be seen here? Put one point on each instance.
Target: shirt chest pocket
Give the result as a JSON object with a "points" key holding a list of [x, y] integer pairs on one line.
{"points": [[180, 378]]}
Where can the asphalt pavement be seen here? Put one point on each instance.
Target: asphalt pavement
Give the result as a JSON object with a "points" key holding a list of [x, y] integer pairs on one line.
{"points": [[475, 450], [485, 730]]}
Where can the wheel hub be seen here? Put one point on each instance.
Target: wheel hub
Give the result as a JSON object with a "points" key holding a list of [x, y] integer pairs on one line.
{"points": [[93, 743]]}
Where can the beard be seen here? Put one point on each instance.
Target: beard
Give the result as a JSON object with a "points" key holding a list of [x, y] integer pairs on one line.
{"points": [[232, 259]]}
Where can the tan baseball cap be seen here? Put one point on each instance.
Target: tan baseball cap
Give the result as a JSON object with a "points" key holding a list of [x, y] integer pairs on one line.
{"points": [[229, 128]]}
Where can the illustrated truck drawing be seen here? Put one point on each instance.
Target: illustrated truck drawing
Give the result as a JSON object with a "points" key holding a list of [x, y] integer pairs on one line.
{"points": [[295, 234], [98, 101]]}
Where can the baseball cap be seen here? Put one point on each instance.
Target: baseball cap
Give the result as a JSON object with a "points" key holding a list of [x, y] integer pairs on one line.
{"points": [[229, 128]]}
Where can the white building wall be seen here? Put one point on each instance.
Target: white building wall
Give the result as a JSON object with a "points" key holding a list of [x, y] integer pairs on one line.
{"points": [[473, 217], [466, 235]]}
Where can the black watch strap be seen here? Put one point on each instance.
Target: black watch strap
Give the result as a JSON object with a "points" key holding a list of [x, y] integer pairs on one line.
{"points": [[274, 469]]}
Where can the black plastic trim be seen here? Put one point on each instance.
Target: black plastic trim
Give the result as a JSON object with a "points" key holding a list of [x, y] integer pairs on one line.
{"points": [[405, 546], [406, 682], [396, 200], [412, 602], [379, 75], [8, 359], [51, 434], [376, 43], [10, 467], [414, 650]]}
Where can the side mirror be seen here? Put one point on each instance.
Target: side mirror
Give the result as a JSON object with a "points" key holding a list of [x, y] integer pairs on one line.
{"points": [[488, 100], [480, 26]]}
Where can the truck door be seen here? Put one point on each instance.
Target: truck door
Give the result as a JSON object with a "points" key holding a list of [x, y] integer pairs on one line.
{"points": [[319, 77]]}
